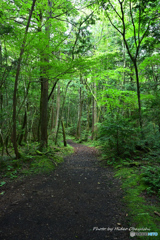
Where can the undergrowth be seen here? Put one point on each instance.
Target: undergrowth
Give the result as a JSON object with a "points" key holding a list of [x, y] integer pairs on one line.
{"points": [[32, 161], [140, 178], [141, 208]]}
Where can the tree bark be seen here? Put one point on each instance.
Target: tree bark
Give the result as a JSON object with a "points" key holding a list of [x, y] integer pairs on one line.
{"points": [[89, 104], [58, 108], [52, 113], [94, 112], [80, 110], [64, 134], [124, 62], [138, 94], [16, 84], [44, 112], [61, 112], [44, 88], [1, 96], [23, 127]]}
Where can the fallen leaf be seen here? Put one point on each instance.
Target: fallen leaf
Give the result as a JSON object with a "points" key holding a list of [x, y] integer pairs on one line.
{"points": [[119, 224]]}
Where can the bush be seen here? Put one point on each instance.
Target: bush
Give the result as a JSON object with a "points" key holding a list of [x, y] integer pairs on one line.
{"points": [[151, 177], [71, 130], [119, 135]]}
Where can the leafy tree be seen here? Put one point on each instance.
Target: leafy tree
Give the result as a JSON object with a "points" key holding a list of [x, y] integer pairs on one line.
{"points": [[133, 34]]}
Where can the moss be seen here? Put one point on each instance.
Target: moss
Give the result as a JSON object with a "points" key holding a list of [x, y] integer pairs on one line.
{"points": [[140, 212], [33, 161]]}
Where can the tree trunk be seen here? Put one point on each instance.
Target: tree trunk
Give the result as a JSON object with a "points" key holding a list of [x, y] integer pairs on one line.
{"points": [[16, 84], [124, 61], [64, 134], [61, 112], [44, 112], [89, 104], [68, 114], [94, 112], [52, 113], [44, 88], [138, 93], [23, 127], [1, 97], [80, 110], [58, 108]]}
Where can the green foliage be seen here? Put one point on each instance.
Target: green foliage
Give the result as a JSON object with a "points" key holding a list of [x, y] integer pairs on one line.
{"points": [[42, 165], [151, 177], [2, 183], [5, 29], [152, 135], [138, 207], [72, 130], [33, 161], [119, 136]]}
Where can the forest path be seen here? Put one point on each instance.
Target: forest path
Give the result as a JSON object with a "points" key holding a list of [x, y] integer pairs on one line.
{"points": [[67, 204]]}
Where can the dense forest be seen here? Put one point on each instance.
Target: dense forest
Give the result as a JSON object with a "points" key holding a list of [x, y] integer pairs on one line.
{"points": [[83, 69]]}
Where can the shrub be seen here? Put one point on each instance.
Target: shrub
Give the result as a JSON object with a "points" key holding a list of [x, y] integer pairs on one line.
{"points": [[151, 177], [119, 135]]}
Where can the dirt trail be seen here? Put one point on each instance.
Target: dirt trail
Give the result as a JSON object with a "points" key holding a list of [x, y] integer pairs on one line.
{"points": [[67, 204]]}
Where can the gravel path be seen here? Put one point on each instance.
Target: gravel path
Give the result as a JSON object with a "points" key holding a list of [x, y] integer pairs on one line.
{"points": [[79, 200]]}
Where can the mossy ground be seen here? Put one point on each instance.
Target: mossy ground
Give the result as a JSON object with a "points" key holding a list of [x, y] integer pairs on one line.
{"points": [[32, 161], [139, 176], [141, 212]]}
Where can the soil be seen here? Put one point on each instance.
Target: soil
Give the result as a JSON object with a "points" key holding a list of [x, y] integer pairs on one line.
{"points": [[79, 200]]}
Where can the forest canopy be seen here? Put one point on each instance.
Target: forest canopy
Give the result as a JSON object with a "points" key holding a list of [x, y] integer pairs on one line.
{"points": [[89, 69]]}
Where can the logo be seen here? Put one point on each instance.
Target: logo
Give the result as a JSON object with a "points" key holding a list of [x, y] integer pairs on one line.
{"points": [[132, 234]]}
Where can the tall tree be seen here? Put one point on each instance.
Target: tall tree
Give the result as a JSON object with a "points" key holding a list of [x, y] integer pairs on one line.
{"points": [[140, 24], [94, 111], [80, 108], [44, 82], [14, 135]]}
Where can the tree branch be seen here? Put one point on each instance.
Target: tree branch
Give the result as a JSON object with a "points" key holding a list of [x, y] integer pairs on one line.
{"points": [[113, 23], [53, 89], [140, 41], [114, 9], [124, 33], [130, 6], [79, 33]]}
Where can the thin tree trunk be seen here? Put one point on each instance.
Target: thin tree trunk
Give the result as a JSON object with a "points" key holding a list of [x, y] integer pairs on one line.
{"points": [[64, 134], [94, 112], [16, 83], [138, 94], [58, 107], [23, 132], [68, 113], [44, 112], [88, 115], [23, 127], [52, 113], [1, 99], [124, 62], [80, 110], [61, 112]]}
